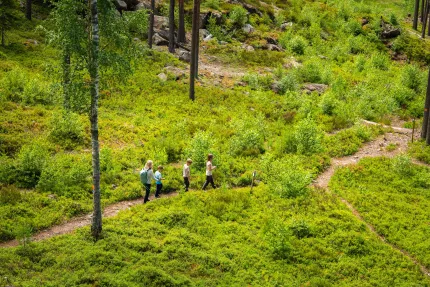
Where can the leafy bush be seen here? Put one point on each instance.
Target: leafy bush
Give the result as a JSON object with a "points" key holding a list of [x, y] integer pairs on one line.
{"points": [[137, 21], [258, 82], [200, 146], [288, 83], [238, 16], [300, 229], [380, 61], [402, 164], [308, 137], [67, 129], [217, 31], [298, 45], [30, 164], [411, 77], [248, 139], [213, 4], [278, 238], [311, 72], [67, 175]]}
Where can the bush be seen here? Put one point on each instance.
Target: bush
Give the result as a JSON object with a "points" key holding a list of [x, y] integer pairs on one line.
{"points": [[300, 229], [308, 137], [298, 45], [248, 139], [411, 77], [67, 129], [213, 4], [199, 147], [278, 237], [402, 164], [311, 72], [380, 61], [257, 82], [217, 31], [30, 164], [67, 175], [288, 83], [238, 16]]}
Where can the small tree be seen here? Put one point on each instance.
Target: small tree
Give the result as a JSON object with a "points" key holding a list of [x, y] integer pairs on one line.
{"points": [[181, 29]]}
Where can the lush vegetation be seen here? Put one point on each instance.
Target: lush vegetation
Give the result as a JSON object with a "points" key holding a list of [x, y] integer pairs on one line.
{"points": [[392, 195], [222, 237], [269, 121]]}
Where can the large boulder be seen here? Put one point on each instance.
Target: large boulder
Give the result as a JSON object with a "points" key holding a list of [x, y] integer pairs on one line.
{"points": [[203, 33], [175, 73], [120, 5], [271, 47], [285, 26]]}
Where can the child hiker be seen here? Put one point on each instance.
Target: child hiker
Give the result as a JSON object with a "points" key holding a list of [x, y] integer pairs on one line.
{"points": [[186, 173], [209, 168], [146, 176], [158, 177]]}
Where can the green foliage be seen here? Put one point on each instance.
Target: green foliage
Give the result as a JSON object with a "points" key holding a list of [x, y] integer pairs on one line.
{"points": [[248, 139], [387, 192], [380, 61], [288, 83], [258, 82], [199, 148], [217, 31], [67, 129], [137, 22], [278, 238], [238, 16], [412, 77], [212, 4], [31, 160], [308, 137], [298, 45]]}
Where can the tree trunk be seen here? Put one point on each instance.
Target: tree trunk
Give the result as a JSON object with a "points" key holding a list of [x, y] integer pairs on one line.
{"points": [[151, 24], [172, 27], [66, 80], [2, 36], [423, 32], [416, 11], [28, 10], [197, 42], [422, 10], [181, 29], [194, 39], [426, 109], [96, 227]]}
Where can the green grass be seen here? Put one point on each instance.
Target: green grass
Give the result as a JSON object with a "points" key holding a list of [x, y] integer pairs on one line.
{"points": [[225, 237], [392, 195]]}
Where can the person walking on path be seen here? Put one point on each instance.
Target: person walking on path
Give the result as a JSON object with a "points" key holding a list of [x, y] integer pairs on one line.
{"points": [[158, 177], [146, 175], [187, 174], [209, 168]]}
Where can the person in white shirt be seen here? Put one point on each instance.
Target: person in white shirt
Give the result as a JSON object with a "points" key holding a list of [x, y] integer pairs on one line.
{"points": [[209, 168], [158, 177], [187, 174]]}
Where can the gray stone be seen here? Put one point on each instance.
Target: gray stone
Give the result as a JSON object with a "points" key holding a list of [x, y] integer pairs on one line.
{"points": [[175, 72], [159, 41], [285, 26], [272, 47], [248, 48], [120, 5], [162, 77], [320, 88], [184, 56], [208, 38], [248, 28], [203, 33]]}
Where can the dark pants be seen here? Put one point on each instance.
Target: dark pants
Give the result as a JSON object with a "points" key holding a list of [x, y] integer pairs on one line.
{"points": [[147, 190], [186, 183], [158, 190], [209, 179]]}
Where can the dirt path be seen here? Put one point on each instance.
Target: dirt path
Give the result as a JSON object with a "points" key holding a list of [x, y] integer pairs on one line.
{"points": [[376, 148], [85, 220]]}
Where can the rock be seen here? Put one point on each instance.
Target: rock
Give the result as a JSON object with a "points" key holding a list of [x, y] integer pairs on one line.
{"points": [[175, 72], [390, 33], [364, 21], [320, 88], [292, 64], [114, 186], [120, 5], [159, 41], [223, 43], [161, 22], [52, 196], [322, 57], [184, 56], [285, 26], [204, 33], [248, 48], [275, 87], [208, 38], [136, 39], [248, 28], [30, 42], [251, 9], [162, 77], [271, 47], [271, 40]]}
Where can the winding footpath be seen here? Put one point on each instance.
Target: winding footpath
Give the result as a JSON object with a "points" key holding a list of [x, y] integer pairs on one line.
{"points": [[399, 137]]}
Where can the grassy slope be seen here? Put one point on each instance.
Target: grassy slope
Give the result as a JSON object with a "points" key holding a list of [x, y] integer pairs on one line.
{"points": [[393, 195], [219, 238]]}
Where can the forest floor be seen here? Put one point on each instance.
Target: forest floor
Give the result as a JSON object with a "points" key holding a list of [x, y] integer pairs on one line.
{"points": [[399, 139]]}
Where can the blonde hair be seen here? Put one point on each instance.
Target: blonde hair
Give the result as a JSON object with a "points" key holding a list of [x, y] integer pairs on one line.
{"points": [[160, 167], [189, 160], [148, 164]]}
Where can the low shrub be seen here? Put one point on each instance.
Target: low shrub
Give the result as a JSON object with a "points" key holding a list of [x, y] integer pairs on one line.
{"points": [[67, 129]]}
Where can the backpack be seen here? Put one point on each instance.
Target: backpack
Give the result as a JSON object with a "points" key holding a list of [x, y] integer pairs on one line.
{"points": [[144, 176]]}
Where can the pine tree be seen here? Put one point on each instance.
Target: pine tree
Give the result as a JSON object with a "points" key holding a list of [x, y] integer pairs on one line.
{"points": [[8, 17]]}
